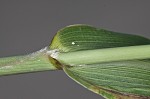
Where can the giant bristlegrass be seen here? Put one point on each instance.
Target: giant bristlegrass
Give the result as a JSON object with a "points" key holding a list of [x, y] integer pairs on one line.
{"points": [[114, 65]]}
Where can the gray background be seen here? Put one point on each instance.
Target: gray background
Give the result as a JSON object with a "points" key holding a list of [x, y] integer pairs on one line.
{"points": [[29, 25]]}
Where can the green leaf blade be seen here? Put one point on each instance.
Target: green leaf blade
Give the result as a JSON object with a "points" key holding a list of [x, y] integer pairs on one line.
{"points": [[125, 79], [112, 79], [84, 37]]}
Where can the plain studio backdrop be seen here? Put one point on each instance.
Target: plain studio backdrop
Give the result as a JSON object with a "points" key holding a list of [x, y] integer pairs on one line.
{"points": [[29, 25]]}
